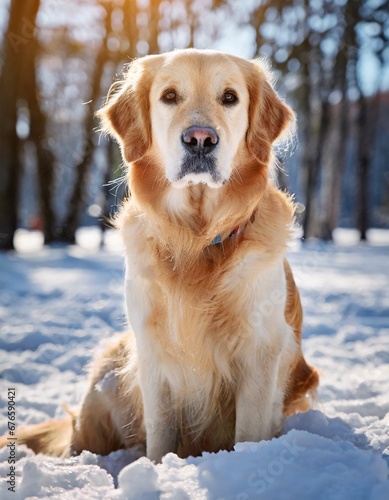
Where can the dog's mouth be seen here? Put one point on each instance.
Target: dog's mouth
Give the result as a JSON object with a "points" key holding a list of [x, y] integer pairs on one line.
{"points": [[199, 169]]}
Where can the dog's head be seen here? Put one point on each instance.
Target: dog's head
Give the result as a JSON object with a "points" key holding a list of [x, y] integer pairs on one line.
{"points": [[201, 114]]}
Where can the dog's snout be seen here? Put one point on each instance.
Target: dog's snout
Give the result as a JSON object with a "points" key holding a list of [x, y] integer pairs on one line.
{"points": [[200, 139]]}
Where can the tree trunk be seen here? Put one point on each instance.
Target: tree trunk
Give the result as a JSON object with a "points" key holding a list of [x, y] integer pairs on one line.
{"points": [[309, 146], [338, 167], [77, 198], [341, 126], [366, 134], [257, 19], [323, 143], [45, 157], [362, 169], [19, 34], [153, 27], [130, 12]]}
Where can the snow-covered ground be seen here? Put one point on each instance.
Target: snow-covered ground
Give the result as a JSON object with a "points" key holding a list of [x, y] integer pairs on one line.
{"points": [[56, 304]]}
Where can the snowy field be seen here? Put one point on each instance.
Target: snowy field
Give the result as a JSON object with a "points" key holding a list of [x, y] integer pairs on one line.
{"points": [[56, 304]]}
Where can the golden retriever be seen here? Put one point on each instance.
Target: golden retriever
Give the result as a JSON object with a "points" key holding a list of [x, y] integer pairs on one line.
{"points": [[214, 356]]}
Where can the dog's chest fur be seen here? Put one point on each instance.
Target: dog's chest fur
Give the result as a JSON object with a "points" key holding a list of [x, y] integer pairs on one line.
{"points": [[197, 321]]}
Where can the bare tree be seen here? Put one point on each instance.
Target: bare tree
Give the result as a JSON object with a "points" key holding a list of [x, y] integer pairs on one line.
{"points": [[337, 156], [38, 135], [77, 198], [20, 32], [154, 26]]}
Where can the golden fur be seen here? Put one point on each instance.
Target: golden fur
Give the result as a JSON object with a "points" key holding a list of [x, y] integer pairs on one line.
{"points": [[215, 356]]}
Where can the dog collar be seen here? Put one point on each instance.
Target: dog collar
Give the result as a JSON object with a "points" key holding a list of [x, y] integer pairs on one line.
{"points": [[233, 233], [237, 230]]}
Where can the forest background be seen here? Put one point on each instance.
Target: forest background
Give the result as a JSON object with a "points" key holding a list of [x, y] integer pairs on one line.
{"points": [[58, 59]]}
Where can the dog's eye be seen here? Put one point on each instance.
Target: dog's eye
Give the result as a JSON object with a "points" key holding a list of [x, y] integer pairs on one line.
{"points": [[169, 97], [229, 98]]}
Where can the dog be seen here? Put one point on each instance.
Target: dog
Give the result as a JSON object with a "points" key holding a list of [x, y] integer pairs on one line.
{"points": [[214, 353]]}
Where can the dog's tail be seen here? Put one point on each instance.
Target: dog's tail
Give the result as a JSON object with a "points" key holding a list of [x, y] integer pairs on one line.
{"points": [[52, 437]]}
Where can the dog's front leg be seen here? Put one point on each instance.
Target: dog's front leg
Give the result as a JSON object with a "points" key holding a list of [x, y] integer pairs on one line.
{"points": [[159, 418], [258, 411]]}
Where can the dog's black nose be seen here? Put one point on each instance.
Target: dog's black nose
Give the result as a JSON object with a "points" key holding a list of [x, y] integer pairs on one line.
{"points": [[200, 139]]}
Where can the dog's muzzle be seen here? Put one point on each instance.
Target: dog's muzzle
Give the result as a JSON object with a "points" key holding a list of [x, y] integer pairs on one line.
{"points": [[199, 163]]}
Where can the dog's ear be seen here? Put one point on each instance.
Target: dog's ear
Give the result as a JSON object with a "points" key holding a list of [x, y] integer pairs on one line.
{"points": [[269, 116], [126, 113]]}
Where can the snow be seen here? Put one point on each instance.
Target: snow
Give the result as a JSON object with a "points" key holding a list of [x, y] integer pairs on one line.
{"points": [[57, 303]]}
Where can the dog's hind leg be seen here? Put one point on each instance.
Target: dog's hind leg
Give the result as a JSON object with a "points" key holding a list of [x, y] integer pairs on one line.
{"points": [[304, 378], [110, 416], [111, 413]]}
